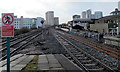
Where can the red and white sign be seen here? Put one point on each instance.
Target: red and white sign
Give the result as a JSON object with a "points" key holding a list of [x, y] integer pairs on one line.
{"points": [[7, 25]]}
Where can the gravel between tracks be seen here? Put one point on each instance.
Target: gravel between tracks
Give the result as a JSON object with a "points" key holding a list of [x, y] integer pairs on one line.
{"points": [[108, 60], [44, 44]]}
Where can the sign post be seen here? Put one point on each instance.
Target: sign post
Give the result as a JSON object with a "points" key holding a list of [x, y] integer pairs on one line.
{"points": [[7, 31], [8, 54]]}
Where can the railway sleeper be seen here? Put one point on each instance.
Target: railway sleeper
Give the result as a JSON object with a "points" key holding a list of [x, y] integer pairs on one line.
{"points": [[69, 58], [74, 52], [66, 44], [72, 49], [72, 60], [98, 69], [79, 55], [67, 55], [86, 61], [93, 64], [82, 58]]}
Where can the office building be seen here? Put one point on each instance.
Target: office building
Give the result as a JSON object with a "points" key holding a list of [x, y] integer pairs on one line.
{"points": [[92, 16], [50, 18], [84, 14], [56, 20], [119, 5], [89, 13], [17, 23], [27, 22], [98, 14]]}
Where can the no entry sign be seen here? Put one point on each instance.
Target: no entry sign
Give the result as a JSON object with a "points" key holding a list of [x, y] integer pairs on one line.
{"points": [[7, 25]]}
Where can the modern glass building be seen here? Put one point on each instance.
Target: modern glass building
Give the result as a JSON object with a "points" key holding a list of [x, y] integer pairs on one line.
{"points": [[119, 5]]}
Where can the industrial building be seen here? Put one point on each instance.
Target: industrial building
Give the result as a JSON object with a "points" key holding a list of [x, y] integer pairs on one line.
{"points": [[108, 24], [76, 17], [83, 22], [99, 27]]}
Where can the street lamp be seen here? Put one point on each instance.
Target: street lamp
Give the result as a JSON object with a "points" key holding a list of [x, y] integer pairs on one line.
{"points": [[118, 24]]}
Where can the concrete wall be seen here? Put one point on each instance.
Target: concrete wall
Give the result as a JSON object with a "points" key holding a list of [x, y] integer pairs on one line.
{"points": [[99, 27]]}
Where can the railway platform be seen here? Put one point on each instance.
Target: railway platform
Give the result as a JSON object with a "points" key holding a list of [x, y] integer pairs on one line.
{"points": [[112, 41], [46, 62]]}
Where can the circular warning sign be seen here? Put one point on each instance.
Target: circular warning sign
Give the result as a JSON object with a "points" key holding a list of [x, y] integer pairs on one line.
{"points": [[7, 19]]}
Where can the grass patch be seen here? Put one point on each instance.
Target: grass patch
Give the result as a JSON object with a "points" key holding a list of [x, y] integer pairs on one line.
{"points": [[32, 65]]}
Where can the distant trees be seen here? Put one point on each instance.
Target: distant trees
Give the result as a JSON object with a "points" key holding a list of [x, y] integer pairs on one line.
{"points": [[22, 30], [42, 21]]}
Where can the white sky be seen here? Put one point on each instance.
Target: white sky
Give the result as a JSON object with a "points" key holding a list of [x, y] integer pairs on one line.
{"points": [[64, 9]]}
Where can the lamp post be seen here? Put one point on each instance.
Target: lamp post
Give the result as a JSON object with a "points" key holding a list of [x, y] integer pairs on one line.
{"points": [[118, 26]]}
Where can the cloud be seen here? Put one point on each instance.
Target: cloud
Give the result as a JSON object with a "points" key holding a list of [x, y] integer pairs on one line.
{"points": [[81, 1], [62, 8]]}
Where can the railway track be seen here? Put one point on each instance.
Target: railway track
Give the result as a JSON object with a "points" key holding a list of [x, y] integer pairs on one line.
{"points": [[108, 50], [4, 42], [15, 42], [15, 37], [23, 42], [81, 58]]}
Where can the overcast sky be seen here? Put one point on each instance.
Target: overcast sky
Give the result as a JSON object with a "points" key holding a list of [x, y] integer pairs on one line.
{"points": [[64, 9]]}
